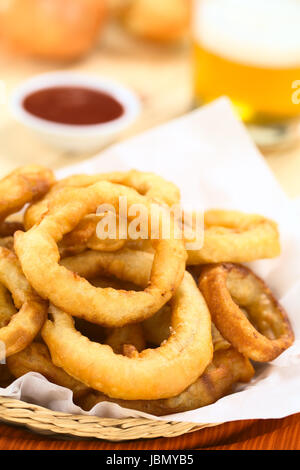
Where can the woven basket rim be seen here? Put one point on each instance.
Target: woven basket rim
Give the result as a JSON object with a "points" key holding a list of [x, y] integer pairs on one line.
{"points": [[65, 425]]}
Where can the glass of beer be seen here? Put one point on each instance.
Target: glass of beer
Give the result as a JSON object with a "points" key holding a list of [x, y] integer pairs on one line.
{"points": [[249, 50]]}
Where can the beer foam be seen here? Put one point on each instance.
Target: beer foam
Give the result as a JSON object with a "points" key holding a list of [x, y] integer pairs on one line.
{"points": [[263, 33]]}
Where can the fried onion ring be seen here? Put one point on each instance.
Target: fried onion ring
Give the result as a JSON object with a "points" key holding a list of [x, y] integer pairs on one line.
{"points": [[236, 237], [27, 322], [156, 373], [76, 295], [228, 368], [147, 184], [245, 311], [26, 184], [36, 358]]}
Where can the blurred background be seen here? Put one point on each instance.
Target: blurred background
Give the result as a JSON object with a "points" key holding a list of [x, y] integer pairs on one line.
{"points": [[174, 55]]}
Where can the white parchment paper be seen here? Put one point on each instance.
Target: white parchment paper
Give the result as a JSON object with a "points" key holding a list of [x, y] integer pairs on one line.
{"points": [[210, 156]]}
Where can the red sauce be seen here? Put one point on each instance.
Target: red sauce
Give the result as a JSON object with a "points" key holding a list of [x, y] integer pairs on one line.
{"points": [[73, 105]]}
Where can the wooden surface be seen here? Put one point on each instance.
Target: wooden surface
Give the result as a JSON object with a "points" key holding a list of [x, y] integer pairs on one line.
{"points": [[277, 434], [161, 77]]}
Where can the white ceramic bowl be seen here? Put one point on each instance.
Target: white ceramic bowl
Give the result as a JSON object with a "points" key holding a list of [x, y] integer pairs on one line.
{"points": [[75, 138]]}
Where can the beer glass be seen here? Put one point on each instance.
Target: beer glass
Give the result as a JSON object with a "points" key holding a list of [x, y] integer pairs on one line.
{"points": [[249, 50]]}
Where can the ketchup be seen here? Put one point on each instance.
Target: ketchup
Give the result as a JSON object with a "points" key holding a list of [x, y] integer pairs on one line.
{"points": [[73, 105]]}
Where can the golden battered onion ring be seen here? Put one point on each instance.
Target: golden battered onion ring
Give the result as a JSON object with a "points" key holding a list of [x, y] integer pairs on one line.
{"points": [[76, 295], [233, 293], [130, 351], [26, 184], [27, 322], [227, 368], [236, 237], [156, 373], [36, 358], [147, 184]]}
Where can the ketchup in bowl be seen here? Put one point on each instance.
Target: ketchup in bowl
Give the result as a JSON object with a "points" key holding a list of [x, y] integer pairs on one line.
{"points": [[73, 105], [74, 112]]}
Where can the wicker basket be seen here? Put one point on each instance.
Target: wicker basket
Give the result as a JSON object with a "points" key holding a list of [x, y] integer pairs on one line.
{"points": [[45, 421]]}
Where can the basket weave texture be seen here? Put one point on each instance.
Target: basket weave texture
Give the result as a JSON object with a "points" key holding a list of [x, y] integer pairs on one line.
{"points": [[45, 421]]}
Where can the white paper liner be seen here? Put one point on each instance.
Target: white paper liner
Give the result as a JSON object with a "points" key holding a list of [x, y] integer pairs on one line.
{"points": [[209, 154]]}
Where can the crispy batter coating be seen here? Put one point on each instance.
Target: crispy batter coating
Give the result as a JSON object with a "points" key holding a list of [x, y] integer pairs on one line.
{"points": [[23, 326], [147, 184], [26, 184], [245, 311], [236, 237]]}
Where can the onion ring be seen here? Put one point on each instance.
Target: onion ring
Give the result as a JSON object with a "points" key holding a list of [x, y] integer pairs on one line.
{"points": [[228, 368], [36, 358], [27, 322], [236, 237], [147, 184], [76, 295], [231, 291], [26, 184], [156, 373]]}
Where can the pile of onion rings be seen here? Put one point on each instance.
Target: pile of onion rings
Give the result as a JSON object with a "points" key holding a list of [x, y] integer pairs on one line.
{"points": [[143, 322]]}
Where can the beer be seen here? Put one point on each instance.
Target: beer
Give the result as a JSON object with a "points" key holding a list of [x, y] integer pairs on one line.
{"points": [[248, 50]]}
